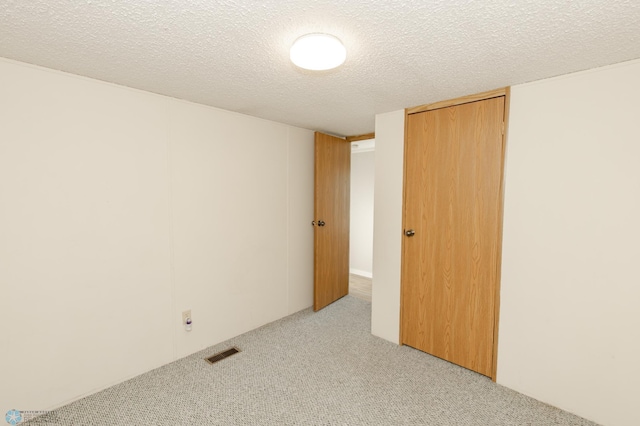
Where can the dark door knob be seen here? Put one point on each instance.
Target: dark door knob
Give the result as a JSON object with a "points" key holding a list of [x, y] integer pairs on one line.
{"points": [[321, 223], [409, 232]]}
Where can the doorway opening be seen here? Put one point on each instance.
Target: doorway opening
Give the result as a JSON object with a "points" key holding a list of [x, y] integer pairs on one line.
{"points": [[361, 218]]}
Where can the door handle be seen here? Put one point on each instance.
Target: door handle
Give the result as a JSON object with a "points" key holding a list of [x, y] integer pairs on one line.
{"points": [[313, 223], [321, 223], [409, 232]]}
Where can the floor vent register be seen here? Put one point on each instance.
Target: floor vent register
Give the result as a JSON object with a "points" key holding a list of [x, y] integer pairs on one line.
{"points": [[222, 355]]}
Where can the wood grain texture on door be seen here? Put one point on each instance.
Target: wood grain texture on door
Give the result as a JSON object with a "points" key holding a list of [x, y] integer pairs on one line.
{"points": [[331, 234], [453, 202]]}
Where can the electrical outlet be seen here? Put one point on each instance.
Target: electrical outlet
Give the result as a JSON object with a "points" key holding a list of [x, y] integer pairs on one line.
{"points": [[186, 314]]}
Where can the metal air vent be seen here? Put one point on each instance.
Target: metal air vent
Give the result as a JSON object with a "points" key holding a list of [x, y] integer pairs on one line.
{"points": [[222, 355]]}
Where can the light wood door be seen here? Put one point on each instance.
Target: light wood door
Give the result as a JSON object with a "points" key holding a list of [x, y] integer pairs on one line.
{"points": [[331, 217], [453, 203]]}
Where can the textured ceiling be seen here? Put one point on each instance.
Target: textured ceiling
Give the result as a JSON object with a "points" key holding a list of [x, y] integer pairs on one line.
{"points": [[233, 54]]}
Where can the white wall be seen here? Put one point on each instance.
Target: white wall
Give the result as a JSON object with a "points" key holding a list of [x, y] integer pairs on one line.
{"points": [[230, 189], [569, 319], [120, 209], [299, 231], [387, 226], [361, 226], [570, 322]]}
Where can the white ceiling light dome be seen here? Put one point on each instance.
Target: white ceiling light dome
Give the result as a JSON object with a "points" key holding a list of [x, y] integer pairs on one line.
{"points": [[318, 52]]}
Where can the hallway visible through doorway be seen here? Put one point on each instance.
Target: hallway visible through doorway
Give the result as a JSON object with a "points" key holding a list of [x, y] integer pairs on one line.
{"points": [[361, 221], [360, 287]]}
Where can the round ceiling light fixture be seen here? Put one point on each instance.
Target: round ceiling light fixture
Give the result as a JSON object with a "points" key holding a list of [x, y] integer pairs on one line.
{"points": [[318, 52]]}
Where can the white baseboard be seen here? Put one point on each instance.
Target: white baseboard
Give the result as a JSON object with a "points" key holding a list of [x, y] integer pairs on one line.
{"points": [[361, 273]]}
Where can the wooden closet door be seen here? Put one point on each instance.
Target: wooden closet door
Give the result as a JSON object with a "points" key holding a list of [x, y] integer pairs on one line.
{"points": [[453, 203]]}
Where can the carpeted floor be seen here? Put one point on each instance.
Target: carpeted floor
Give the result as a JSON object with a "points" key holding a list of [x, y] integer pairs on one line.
{"points": [[310, 368]]}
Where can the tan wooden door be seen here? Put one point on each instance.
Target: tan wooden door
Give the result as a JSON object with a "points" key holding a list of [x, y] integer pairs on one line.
{"points": [[453, 203], [331, 218]]}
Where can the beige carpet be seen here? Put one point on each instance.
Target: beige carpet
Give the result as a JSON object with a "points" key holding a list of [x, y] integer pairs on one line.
{"points": [[310, 368]]}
